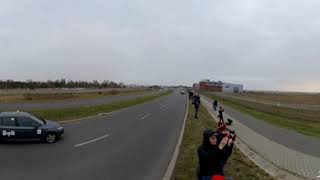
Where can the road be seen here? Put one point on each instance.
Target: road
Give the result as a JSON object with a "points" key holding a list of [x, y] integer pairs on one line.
{"points": [[70, 103], [135, 143]]}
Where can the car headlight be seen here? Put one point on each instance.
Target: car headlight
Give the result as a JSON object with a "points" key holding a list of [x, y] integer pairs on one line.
{"points": [[60, 128]]}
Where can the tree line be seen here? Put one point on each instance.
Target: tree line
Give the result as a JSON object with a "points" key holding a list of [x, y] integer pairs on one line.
{"points": [[60, 83]]}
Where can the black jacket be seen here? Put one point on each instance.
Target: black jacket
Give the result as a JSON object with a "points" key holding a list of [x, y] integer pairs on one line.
{"points": [[196, 101], [211, 158], [220, 113], [215, 103]]}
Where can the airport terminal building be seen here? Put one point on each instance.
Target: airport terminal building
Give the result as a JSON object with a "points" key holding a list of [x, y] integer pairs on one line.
{"points": [[207, 85]]}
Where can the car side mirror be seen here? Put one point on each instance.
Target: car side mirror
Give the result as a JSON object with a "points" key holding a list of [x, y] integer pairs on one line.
{"points": [[37, 126]]}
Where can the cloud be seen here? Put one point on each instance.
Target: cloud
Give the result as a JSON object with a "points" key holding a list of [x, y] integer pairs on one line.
{"points": [[260, 44]]}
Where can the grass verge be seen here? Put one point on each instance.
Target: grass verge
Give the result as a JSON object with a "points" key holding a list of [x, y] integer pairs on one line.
{"points": [[309, 128], [74, 113], [239, 167]]}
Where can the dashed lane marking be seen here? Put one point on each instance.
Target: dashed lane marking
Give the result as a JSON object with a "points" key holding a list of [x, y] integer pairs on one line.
{"points": [[147, 115], [91, 141]]}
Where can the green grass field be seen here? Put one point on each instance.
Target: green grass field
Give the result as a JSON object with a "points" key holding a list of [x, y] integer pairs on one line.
{"points": [[239, 167], [74, 113], [309, 128]]}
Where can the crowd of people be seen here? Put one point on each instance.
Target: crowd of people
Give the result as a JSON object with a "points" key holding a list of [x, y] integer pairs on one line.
{"points": [[217, 145]]}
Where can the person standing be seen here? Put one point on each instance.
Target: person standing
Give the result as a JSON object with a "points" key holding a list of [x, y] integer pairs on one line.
{"points": [[220, 116], [213, 155], [215, 105], [196, 103]]}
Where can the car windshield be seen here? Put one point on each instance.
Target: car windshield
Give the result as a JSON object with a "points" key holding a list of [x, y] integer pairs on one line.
{"points": [[38, 120]]}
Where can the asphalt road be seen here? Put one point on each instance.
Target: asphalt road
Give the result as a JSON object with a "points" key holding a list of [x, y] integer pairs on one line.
{"points": [[293, 140], [70, 103], [135, 143]]}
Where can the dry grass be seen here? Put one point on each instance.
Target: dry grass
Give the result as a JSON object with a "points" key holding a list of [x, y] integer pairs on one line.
{"points": [[303, 114], [63, 96], [294, 111], [289, 98]]}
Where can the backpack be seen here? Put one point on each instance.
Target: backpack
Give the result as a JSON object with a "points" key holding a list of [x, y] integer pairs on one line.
{"points": [[217, 177]]}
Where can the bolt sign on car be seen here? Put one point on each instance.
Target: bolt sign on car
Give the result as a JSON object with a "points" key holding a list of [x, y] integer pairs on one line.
{"points": [[17, 126]]}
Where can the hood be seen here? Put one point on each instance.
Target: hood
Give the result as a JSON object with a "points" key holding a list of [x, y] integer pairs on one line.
{"points": [[51, 124], [206, 136]]}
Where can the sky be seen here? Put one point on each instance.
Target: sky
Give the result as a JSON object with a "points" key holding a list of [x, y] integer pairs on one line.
{"points": [[262, 44]]}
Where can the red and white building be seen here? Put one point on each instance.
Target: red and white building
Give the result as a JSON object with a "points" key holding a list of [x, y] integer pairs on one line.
{"points": [[213, 86]]}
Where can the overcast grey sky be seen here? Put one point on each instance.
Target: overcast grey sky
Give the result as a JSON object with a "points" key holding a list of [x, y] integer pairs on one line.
{"points": [[263, 44]]}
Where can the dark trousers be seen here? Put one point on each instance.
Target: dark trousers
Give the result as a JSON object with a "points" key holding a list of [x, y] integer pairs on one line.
{"points": [[196, 114], [215, 107]]}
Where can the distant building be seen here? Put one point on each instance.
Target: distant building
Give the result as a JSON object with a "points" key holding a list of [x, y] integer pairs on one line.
{"points": [[232, 88], [207, 85]]}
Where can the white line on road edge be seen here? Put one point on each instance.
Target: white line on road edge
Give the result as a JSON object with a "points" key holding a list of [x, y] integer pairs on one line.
{"points": [[85, 118], [103, 114], [145, 116], [75, 120], [116, 111], [170, 169], [91, 141]]}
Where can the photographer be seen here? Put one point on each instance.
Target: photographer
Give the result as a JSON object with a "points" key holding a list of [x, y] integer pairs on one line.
{"points": [[213, 154], [220, 116]]}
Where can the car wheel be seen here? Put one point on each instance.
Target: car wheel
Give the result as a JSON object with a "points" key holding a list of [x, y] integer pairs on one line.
{"points": [[51, 138]]}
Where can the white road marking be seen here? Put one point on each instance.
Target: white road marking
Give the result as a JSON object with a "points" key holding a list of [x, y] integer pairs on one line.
{"points": [[91, 141], [103, 114], [85, 118], [145, 116], [76, 120]]}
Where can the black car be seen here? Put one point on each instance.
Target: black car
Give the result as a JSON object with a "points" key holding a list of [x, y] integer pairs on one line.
{"points": [[23, 126]]}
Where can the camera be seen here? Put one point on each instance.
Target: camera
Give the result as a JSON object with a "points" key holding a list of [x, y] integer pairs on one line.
{"points": [[225, 129]]}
